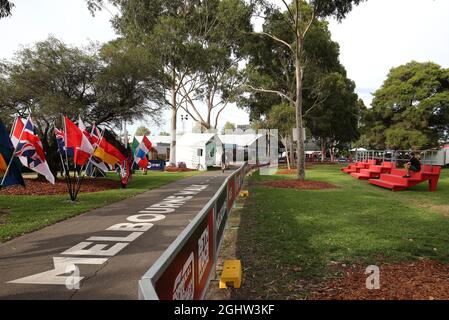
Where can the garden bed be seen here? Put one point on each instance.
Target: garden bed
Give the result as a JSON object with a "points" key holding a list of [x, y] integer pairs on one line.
{"points": [[302, 185], [43, 188], [422, 280]]}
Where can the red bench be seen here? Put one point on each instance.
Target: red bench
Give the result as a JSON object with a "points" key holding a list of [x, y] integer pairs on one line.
{"points": [[374, 171], [355, 168], [396, 182]]}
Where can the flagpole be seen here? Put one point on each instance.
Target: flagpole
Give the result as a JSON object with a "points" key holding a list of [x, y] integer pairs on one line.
{"points": [[78, 187], [13, 155], [69, 181]]}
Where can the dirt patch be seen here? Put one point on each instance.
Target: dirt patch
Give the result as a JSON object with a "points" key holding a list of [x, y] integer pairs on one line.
{"points": [[41, 188], [423, 280], [302, 185]]}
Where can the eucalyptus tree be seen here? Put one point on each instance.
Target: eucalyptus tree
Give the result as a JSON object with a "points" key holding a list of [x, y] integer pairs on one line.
{"points": [[300, 16], [195, 44]]}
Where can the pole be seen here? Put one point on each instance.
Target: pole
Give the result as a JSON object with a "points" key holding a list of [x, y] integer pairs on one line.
{"points": [[12, 156], [69, 180]]}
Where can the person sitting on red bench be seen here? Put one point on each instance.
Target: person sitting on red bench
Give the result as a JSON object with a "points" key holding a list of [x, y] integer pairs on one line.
{"points": [[413, 165]]}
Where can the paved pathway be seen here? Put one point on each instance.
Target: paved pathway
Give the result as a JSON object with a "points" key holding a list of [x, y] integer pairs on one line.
{"points": [[110, 262]]}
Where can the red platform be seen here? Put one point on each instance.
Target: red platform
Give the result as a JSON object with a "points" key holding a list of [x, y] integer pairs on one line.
{"points": [[358, 166], [374, 171], [396, 182]]}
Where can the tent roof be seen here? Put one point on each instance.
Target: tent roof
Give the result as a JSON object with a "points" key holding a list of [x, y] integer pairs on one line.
{"points": [[240, 139]]}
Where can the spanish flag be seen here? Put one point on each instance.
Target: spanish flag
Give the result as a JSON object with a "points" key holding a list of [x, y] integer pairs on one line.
{"points": [[108, 153]]}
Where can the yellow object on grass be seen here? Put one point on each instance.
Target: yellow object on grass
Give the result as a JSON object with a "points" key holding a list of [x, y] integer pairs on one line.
{"points": [[231, 275]]}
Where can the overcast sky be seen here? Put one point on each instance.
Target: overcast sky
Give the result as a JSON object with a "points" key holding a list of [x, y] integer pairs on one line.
{"points": [[376, 36]]}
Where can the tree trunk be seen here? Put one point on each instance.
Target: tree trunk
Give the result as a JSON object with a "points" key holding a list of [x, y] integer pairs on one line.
{"points": [[286, 141], [173, 137], [323, 150], [173, 123], [301, 172]]}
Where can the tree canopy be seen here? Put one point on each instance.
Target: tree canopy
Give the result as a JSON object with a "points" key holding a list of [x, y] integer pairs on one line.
{"points": [[411, 109], [142, 131], [297, 18], [5, 8], [51, 79]]}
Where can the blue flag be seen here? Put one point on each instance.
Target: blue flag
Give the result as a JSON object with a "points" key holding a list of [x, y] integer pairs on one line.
{"points": [[14, 175]]}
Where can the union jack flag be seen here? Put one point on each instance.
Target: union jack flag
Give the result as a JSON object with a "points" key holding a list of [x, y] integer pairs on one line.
{"points": [[29, 149], [61, 145], [29, 145]]}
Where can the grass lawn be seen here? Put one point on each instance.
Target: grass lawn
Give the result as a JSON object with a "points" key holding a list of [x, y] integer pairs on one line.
{"points": [[288, 237], [29, 213]]}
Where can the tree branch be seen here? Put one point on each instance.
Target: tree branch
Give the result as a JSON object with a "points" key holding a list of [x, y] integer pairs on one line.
{"points": [[272, 91]]}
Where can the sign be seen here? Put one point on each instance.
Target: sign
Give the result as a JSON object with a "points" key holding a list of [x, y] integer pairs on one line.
{"points": [[221, 216], [231, 192], [187, 276], [296, 134], [156, 165]]}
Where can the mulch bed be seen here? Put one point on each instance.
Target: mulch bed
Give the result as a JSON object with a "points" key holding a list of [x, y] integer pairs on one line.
{"points": [[291, 171], [302, 185], [41, 188], [423, 280]]}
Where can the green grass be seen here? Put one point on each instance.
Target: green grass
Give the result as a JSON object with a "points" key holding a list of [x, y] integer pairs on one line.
{"points": [[289, 234], [29, 213]]}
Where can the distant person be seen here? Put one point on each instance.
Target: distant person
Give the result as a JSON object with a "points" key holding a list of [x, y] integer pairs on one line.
{"points": [[413, 165], [223, 162]]}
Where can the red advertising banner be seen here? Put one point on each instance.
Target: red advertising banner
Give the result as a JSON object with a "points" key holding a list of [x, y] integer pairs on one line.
{"points": [[231, 192], [186, 277]]}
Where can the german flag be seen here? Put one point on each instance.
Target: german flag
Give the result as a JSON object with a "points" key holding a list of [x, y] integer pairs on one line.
{"points": [[108, 153]]}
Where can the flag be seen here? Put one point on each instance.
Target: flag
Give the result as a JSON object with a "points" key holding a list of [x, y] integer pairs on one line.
{"points": [[134, 145], [76, 139], [140, 156], [29, 149], [14, 175], [109, 154], [125, 170], [95, 136], [61, 145]]}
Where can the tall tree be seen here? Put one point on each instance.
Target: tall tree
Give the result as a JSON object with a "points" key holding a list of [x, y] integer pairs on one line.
{"points": [[300, 16], [196, 43], [282, 117], [222, 30], [335, 120], [411, 109]]}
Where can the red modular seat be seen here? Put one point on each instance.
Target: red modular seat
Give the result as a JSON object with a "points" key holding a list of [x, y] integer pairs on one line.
{"points": [[395, 181], [360, 165], [374, 171]]}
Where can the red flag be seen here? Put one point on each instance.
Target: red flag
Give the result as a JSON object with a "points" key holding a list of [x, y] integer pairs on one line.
{"points": [[77, 140]]}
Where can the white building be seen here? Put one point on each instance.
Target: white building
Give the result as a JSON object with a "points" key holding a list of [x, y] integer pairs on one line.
{"points": [[196, 150]]}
